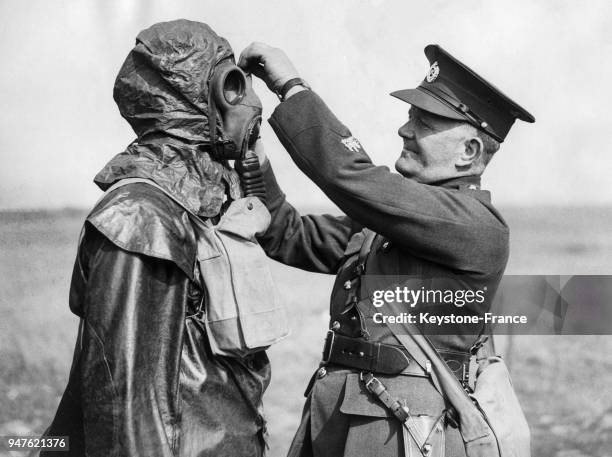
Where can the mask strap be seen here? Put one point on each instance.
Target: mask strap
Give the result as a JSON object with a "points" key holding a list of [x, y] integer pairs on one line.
{"points": [[212, 119]]}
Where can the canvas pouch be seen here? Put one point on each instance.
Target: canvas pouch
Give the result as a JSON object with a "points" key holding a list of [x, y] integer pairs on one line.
{"points": [[243, 311]]}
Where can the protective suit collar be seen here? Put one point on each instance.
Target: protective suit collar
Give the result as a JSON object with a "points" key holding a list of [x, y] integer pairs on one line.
{"points": [[188, 173], [162, 90]]}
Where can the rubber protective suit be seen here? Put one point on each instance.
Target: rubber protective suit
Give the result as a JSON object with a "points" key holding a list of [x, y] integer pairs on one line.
{"points": [[143, 380]]}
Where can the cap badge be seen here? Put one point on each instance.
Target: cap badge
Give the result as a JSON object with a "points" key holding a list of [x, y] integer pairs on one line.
{"points": [[351, 143], [434, 71]]}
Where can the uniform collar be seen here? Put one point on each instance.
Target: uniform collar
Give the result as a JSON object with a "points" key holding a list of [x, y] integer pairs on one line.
{"points": [[459, 183]]}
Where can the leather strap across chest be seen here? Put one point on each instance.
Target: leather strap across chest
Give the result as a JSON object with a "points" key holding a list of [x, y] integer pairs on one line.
{"points": [[380, 358]]}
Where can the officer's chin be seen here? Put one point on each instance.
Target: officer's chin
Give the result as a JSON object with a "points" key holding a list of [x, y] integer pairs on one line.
{"points": [[402, 166], [409, 171]]}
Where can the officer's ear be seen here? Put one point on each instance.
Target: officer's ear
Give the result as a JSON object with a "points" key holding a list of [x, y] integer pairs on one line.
{"points": [[472, 150]]}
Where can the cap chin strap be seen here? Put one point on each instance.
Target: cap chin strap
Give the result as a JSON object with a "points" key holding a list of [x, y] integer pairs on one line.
{"points": [[474, 119]]}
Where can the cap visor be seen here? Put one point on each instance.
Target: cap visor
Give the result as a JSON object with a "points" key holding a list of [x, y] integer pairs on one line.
{"points": [[424, 101]]}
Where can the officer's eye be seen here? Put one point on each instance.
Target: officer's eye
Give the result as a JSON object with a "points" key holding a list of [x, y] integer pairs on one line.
{"points": [[422, 124]]}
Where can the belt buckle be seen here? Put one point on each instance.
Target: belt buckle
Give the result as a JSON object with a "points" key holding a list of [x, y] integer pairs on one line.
{"points": [[370, 382], [329, 343]]}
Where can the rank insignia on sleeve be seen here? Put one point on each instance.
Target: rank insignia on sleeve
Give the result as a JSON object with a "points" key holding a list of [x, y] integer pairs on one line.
{"points": [[351, 143]]}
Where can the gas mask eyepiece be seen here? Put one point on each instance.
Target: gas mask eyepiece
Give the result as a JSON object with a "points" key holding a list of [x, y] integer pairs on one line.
{"points": [[233, 99], [229, 86]]}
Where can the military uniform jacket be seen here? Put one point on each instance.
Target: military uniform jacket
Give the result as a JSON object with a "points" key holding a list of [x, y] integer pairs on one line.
{"points": [[448, 228]]}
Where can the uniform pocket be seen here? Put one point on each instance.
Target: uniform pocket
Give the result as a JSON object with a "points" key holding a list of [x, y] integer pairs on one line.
{"points": [[358, 401], [418, 393], [374, 428]]}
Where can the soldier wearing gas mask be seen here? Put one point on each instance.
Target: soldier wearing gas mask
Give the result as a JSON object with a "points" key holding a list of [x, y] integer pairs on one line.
{"points": [[170, 353]]}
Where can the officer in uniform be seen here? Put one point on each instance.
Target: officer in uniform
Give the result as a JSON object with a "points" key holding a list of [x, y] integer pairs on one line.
{"points": [[432, 220]]}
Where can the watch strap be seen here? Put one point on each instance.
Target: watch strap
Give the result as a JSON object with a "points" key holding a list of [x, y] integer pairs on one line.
{"points": [[282, 93]]}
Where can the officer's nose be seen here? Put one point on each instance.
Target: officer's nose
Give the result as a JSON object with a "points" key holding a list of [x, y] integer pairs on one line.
{"points": [[406, 131]]}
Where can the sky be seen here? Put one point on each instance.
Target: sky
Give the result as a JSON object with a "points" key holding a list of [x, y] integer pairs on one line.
{"points": [[59, 124]]}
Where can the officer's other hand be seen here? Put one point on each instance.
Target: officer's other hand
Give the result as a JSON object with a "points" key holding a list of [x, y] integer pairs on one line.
{"points": [[269, 64]]}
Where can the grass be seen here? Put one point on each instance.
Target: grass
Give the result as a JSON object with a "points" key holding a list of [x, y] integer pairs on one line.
{"points": [[563, 382]]}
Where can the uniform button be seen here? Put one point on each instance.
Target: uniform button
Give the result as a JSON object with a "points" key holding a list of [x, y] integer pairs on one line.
{"points": [[353, 318], [335, 325], [361, 354], [385, 245], [347, 285], [322, 372], [250, 205]]}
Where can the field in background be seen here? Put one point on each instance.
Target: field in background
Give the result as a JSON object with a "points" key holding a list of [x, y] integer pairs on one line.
{"points": [[563, 382]]}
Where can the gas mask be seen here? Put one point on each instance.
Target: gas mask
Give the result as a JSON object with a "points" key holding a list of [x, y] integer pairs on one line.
{"points": [[192, 109], [232, 99]]}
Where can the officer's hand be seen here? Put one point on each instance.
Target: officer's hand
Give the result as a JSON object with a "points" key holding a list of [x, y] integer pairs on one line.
{"points": [[269, 64]]}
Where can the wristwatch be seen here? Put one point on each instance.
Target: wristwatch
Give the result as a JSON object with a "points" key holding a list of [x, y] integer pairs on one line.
{"points": [[282, 93]]}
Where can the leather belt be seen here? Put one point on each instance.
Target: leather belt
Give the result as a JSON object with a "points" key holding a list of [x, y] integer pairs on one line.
{"points": [[384, 358]]}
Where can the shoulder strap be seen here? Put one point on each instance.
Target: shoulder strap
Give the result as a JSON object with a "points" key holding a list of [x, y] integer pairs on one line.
{"points": [[472, 423], [410, 345], [126, 181], [364, 252]]}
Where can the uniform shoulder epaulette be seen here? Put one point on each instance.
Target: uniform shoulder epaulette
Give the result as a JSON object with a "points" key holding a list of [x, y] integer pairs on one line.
{"points": [[140, 218]]}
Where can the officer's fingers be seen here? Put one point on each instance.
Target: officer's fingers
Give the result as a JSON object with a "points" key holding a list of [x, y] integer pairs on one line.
{"points": [[268, 63], [253, 55], [263, 55]]}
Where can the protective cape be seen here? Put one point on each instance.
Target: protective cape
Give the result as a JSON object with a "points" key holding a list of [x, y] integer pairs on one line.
{"points": [[143, 380], [162, 91]]}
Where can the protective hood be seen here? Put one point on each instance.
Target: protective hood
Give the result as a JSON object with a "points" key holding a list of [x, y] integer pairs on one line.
{"points": [[162, 90]]}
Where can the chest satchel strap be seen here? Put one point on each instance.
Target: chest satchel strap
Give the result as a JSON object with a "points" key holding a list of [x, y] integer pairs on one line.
{"points": [[400, 410], [463, 412], [364, 252]]}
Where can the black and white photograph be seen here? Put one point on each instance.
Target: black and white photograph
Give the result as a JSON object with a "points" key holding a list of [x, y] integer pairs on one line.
{"points": [[345, 228]]}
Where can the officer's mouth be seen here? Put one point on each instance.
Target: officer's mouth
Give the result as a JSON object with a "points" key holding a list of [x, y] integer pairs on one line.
{"points": [[408, 153]]}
